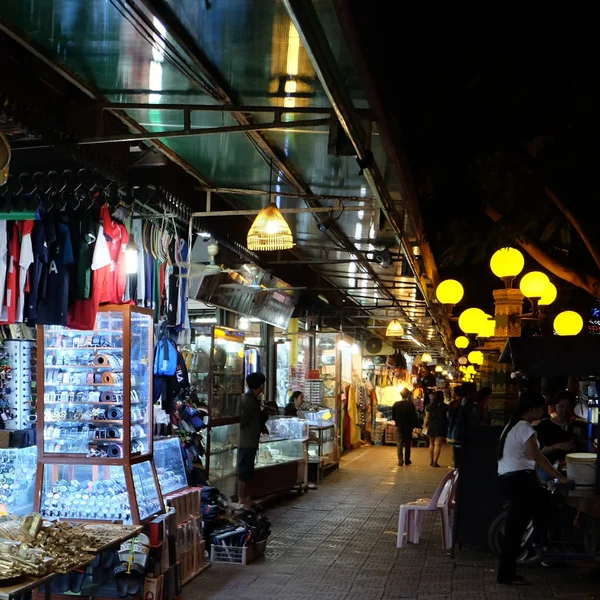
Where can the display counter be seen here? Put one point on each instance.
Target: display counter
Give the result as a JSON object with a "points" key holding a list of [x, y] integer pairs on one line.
{"points": [[282, 458], [170, 468], [323, 454]]}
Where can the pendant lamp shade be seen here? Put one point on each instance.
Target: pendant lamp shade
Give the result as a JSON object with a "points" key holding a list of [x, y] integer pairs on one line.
{"points": [[270, 231], [394, 329]]}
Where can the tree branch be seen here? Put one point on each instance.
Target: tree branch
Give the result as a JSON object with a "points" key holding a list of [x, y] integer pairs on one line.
{"points": [[586, 282], [592, 248]]}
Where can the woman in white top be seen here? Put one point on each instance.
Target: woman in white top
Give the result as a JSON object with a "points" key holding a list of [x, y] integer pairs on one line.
{"points": [[518, 455]]}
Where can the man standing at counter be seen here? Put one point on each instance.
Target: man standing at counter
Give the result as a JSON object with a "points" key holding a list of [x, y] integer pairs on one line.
{"points": [[251, 424]]}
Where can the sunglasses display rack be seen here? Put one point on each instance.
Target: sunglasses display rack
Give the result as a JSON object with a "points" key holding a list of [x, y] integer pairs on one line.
{"points": [[95, 419], [17, 479], [18, 397]]}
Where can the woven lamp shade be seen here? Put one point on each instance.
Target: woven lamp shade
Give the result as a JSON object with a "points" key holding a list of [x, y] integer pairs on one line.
{"points": [[270, 231]]}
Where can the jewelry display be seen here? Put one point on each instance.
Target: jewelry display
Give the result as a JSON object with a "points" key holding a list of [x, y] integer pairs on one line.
{"points": [[170, 468], [17, 479]]}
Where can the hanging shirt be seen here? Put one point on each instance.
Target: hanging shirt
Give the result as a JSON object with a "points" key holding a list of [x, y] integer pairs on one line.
{"points": [[88, 232], [3, 260], [82, 314], [37, 282], [54, 309], [26, 258], [140, 297], [113, 289], [9, 306]]}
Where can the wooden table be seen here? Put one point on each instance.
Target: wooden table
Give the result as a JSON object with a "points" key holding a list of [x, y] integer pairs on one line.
{"points": [[27, 583]]}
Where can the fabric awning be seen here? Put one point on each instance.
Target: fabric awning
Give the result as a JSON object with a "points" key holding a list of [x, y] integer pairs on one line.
{"points": [[553, 356]]}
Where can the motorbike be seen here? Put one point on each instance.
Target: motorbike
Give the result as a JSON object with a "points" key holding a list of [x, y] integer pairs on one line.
{"points": [[571, 536]]}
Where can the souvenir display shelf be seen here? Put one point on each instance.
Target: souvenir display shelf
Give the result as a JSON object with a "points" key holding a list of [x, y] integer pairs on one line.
{"points": [[282, 458], [17, 479], [217, 377], [95, 420]]}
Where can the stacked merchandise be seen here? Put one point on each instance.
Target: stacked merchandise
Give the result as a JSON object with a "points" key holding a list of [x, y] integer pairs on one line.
{"points": [[236, 537], [313, 394], [297, 377], [177, 548]]}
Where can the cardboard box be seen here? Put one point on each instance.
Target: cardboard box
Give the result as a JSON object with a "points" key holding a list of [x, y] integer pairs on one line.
{"points": [[153, 588], [156, 530], [158, 559]]}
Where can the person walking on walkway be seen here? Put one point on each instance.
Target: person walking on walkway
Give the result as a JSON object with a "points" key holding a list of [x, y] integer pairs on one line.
{"points": [[436, 426], [405, 417], [252, 422], [518, 455]]}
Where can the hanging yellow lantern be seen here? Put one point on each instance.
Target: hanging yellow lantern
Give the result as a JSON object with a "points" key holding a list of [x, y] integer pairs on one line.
{"points": [[507, 263], [489, 328], [445, 373], [426, 357], [548, 295], [533, 284], [471, 370], [476, 357], [439, 369], [450, 292], [270, 231], [461, 342], [568, 322], [394, 329], [471, 320]]}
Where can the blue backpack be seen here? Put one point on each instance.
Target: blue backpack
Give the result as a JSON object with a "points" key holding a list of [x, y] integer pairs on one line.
{"points": [[165, 356]]}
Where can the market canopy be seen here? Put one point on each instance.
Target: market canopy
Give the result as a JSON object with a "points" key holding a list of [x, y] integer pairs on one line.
{"points": [[578, 356], [232, 91]]}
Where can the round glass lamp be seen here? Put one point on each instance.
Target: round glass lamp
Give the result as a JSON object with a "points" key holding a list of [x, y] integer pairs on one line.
{"points": [[461, 342], [507, 263], [394, 329], [548, 295], [471, 320], [476, 357], [426, 357], [449, 292], [568, 322], [533, 284], [463, 360], [489, 327]]}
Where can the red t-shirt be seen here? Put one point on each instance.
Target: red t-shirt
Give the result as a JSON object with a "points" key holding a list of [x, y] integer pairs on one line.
{"points": [[9, 306]]}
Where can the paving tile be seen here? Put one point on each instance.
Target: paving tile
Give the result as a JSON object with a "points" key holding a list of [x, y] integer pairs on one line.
{"points": [[339, 543]]}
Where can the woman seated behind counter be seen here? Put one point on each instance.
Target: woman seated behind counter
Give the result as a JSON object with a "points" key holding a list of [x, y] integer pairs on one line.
{"points": [[294, 406]]}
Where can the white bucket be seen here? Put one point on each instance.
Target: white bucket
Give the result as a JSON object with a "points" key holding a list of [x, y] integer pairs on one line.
{"points": [[581, 468]]}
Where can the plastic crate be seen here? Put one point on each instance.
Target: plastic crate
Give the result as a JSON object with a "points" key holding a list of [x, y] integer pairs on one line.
{"points": [[237, 555]]}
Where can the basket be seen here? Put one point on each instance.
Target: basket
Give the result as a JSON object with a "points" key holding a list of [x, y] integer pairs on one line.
{"points": [[237, 555]]}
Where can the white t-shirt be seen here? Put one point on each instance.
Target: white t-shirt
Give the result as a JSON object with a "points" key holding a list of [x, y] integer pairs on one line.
{"points": [[514, 455]]}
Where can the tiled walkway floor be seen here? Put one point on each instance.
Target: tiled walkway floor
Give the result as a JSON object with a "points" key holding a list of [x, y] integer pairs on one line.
{"points": [[339, 543]]}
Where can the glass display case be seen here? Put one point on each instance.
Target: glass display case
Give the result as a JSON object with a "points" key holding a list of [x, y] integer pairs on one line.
{"points": [[17, 479], [217, 373], [281, 461], [96, 387], [327, 361], [170, 468], [99, 493], [222, 458], [282, 372], [95, 419]]}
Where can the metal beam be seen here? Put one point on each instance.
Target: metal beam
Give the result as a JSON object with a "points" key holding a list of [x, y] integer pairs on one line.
{"points": [[221, 108], [155, 135], [252, 192], [283, 211]]}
